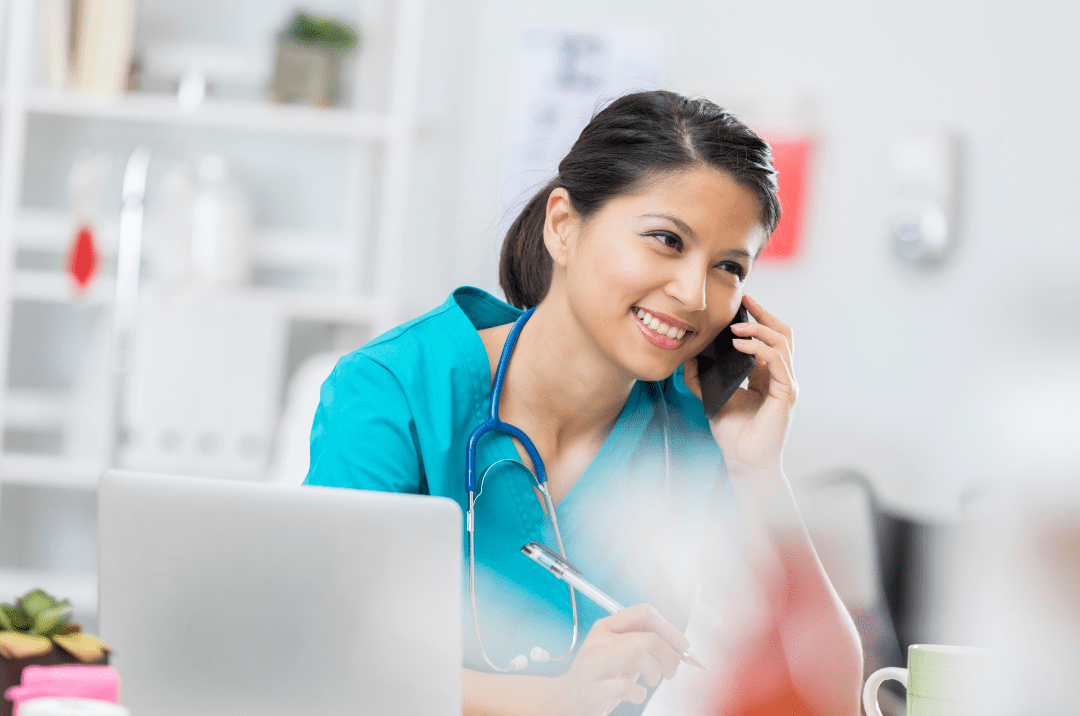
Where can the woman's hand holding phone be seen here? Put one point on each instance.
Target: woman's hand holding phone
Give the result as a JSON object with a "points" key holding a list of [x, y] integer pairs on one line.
{"points": [[752, 427], [636, 642]]}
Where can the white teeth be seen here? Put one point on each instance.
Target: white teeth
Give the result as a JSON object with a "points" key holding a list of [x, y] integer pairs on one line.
{"points": [[658, 326]]}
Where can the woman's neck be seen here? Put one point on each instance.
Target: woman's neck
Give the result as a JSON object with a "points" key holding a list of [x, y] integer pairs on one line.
{"points": [[559, 388]]}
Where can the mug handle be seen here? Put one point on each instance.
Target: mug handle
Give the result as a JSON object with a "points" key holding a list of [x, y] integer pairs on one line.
{"points": [[869, 692]]}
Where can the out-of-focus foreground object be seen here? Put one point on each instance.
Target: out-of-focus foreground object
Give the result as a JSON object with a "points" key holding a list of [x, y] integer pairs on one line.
{"points": [[924, 174], [1013, 581]]}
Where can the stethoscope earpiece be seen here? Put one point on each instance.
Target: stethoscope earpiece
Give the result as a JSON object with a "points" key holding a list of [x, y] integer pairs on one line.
{"points": [[539, 654], [519, 663]]}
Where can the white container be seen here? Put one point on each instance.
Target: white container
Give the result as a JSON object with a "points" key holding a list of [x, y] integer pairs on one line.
{"points": [[71, 707], [220, 227]]}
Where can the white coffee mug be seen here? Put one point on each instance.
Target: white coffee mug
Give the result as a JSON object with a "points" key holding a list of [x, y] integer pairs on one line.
{"points": [[940, 681]]}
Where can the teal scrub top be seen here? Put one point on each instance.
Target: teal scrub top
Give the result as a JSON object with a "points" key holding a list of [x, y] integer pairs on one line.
{"points": [[395, 416]]}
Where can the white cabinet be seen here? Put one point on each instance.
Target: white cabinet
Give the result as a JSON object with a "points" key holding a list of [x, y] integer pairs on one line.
{"points": [[327, 186]]}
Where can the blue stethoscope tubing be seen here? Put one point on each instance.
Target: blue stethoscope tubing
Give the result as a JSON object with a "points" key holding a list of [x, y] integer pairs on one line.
{"points": [[493, 424]]}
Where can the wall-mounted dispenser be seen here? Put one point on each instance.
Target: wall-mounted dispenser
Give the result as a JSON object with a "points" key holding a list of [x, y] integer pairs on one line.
{"points": [[923, 167]]}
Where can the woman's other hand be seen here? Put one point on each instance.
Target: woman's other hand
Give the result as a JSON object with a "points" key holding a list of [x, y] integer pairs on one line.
{"points": [[752, 427], [636, 642]]}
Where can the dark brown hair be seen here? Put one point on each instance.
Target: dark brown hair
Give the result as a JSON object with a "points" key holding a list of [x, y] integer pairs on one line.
{"points": [[628, 143]]}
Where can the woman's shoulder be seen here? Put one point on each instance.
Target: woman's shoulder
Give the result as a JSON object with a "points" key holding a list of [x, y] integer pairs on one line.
{"points": [[440, 342]]}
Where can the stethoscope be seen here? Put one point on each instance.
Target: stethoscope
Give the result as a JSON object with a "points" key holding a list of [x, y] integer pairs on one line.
{"points": [[493, 424]]}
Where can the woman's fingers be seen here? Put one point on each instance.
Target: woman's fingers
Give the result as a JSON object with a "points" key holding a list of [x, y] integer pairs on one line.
{"points": [[645, 618], [769, 336], [767, 319], [651, 636], [779, 371], [634, 643], [641, 661]]}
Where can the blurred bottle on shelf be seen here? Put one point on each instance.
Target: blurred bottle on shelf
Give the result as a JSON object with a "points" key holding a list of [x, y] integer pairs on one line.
{"points": [[84, 186], [200, 230], [220, 227]]}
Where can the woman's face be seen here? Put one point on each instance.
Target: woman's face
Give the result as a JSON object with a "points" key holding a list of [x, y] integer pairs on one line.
{"points": [[654, 276]]}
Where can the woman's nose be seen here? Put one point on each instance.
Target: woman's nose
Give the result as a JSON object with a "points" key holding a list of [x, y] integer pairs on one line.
{"points": [[688, 286]]}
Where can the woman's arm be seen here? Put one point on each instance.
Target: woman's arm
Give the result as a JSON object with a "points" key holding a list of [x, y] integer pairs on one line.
{"points": [[817, 637], [818, 642]]}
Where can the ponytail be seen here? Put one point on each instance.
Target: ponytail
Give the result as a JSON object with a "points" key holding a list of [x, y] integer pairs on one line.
{"points": [[525, 264]]}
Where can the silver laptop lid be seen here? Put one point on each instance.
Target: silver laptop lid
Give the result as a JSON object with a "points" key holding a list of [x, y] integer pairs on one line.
{"points": [[234, 598]]}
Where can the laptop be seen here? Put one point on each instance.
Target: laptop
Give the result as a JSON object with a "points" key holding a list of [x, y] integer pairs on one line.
{"points": [[228, 598]]}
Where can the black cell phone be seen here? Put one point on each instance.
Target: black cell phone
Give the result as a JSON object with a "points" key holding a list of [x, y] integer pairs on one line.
{"points": [[722, 368]]}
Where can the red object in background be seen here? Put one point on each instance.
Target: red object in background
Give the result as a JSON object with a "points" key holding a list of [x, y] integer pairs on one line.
{"points": [[82, 259], [791, 159]]}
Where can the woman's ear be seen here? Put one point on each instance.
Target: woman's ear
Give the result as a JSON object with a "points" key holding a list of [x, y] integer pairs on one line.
{"points": [[560, 224]]}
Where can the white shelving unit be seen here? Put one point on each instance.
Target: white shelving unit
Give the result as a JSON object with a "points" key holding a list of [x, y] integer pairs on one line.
{"points": [[364, 254]]}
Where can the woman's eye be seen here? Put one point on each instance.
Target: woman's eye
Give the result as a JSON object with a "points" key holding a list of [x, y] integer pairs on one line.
{"points": [[735, 268], [668, 239]]}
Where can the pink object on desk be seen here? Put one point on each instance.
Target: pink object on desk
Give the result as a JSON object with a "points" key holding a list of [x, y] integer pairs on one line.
{"points": [[66, 681]]}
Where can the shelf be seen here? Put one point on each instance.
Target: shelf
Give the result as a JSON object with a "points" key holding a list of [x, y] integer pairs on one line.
{"points": [[43, 230], [49, 471], [164, 109], [57, 287], [38, 408]]}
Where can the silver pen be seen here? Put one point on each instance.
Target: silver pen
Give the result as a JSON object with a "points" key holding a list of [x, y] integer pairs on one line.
{"points": [[559, 567]]}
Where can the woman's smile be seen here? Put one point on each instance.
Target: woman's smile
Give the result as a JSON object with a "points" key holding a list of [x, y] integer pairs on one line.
{"points": [[661, 330]]}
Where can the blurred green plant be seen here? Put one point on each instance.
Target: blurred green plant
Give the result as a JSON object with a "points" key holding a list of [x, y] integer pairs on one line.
{"points": [[31, 627], [38, 614], [325, 31]]}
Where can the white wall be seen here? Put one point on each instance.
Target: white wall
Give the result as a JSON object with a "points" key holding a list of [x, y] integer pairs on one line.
{"points": [[947, 377]]}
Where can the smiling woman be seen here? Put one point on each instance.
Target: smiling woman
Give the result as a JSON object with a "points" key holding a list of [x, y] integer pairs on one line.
{"points": [[631, 261]]}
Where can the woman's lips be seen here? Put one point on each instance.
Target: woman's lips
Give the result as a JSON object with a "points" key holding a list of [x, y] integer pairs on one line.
{"points": [[663, 335]]}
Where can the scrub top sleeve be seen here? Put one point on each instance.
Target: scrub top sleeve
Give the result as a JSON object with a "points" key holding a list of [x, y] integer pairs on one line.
{"points": [[363, 435]]}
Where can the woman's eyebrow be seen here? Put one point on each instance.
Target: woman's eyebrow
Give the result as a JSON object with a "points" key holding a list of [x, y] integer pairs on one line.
{"points": [[683, 226]]}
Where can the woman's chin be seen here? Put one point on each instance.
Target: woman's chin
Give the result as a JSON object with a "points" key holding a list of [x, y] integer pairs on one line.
{"points": [[655, 371]]}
